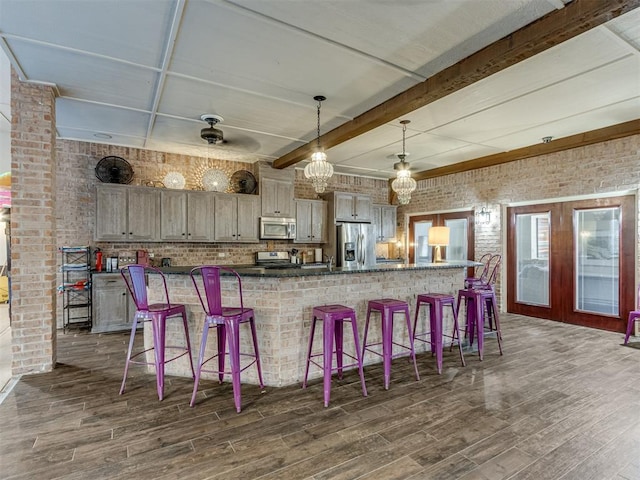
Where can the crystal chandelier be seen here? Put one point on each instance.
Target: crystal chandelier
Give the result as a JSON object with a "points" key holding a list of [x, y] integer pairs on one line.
{"points": [[403, 185], [319, 171]]}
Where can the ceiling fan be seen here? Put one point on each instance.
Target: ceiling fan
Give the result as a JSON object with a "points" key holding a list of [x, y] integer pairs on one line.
{"points": [[212, 135]]}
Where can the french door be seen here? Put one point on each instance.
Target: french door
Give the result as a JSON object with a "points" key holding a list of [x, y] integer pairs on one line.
{"points": [[573, 261], [461, 237]]}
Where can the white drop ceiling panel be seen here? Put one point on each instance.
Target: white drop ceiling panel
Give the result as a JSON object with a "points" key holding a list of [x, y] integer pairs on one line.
{"points": [[259, 63], [134, 31], [100, 118]]}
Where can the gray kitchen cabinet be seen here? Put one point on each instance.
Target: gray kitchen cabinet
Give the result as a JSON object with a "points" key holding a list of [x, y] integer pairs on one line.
{"points": [[384, 221], [186, 216], [277, 198], [113, 308], [311, 224], [277, 192], [351, 207], [126, 213], [236, 218]]}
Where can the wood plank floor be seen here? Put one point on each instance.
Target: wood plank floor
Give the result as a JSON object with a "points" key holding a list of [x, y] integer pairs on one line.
{"points": [[562, 403]]}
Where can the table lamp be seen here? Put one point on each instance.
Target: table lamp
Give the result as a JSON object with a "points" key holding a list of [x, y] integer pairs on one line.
{"points": [[438, 237]]}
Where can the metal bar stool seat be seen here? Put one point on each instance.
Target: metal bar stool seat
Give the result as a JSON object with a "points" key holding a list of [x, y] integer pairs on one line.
{"points": [[436, 303], [333, 318], [387, 307], [227, 321], [157, 313]]}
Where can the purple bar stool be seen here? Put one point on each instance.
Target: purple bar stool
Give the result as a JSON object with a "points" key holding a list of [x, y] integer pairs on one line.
{"points": [[135, 278], [333, 318], [227, 321], [436, 303], [387, 307], [634, 316], [476, 301]]}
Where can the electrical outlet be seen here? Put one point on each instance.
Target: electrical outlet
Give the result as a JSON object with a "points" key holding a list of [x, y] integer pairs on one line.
{"points": [[222, 254], [152, 255]]}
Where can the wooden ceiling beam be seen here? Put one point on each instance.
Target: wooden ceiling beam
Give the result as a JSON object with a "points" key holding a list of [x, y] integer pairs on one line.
{"points": [[554, 28], [574, 141]]}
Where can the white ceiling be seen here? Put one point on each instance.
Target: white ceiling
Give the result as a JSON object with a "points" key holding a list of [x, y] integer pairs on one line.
{"points": [[143, 72]]}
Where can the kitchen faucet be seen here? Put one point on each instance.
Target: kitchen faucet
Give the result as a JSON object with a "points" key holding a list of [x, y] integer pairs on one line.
{"points": [[329, 259]]}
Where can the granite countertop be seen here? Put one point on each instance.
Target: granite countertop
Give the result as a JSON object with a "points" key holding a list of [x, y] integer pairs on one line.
{"points": [[253, 271]]}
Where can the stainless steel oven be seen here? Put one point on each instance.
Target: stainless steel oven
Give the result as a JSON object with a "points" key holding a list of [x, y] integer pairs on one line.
{"points": [[277, 228]]}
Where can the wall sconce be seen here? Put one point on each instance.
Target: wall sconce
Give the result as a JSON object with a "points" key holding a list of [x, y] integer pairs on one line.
{"points": [[438, 237], [484, 216]]}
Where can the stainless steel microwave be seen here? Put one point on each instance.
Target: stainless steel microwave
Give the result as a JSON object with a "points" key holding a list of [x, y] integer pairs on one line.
{"points": [[273, 228]]}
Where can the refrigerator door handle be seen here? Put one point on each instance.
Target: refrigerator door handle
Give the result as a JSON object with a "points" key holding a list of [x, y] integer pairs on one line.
{"points": [[361, 249]]}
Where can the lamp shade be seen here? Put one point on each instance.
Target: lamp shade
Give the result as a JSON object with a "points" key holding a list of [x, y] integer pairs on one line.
{"points": [[439, 236]]}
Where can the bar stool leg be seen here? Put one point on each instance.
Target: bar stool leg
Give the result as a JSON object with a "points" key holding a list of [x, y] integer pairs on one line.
{"points": [[327, 340], [233, 336], [479, 322], [203, 344], [134, 329], [254, 335], [158, 353], [387, 344], [412, 353], [306, 372], [356, 344], [435, 315], [221, 334], [456, 332], [186, 336], [339, 339]]}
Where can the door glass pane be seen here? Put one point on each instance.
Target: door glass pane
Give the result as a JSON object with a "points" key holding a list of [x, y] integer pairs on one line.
{"points": [[532, 257], [422, 250], [597, 240], [457, 248]]}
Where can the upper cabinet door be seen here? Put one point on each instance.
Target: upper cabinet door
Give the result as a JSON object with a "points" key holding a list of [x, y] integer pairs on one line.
{"points": [[173, 208], [144, 214], [226, 218], [318, 221], [111, 213], [351, 207], [362, 208], [200, 216], [248, 215], [388, 219], [277, 198]]}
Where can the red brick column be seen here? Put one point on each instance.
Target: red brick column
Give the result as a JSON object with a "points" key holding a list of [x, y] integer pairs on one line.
{"points": [[33, 249]]}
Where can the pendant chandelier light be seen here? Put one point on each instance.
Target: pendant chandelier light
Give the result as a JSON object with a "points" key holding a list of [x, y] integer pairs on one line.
{"points": [[403, 185], [319, 171]]}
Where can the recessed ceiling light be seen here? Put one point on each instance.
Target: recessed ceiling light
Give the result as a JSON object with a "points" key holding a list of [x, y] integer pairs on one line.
{"points": [[102, 135]]}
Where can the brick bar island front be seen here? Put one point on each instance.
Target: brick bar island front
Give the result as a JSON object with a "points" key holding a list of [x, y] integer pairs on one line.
{"points": [[283, 301]]}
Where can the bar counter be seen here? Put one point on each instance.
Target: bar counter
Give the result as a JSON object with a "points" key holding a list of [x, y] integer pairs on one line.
{"points": [[283, 300]]}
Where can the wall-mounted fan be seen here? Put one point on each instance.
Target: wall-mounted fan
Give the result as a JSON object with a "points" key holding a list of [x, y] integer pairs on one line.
{"points": [[243, 181], [114, 170]]}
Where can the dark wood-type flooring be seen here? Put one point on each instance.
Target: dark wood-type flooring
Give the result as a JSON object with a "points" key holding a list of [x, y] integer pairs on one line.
{"points": [[562, 403]]}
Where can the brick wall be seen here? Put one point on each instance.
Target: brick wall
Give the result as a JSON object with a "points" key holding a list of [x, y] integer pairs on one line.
{"points": [[33, 226], [612, 166]]}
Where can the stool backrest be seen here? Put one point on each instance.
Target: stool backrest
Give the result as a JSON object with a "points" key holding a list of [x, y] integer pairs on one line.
{"points": [[135, 277], [494, 267], [484, 259], [209, 289]]}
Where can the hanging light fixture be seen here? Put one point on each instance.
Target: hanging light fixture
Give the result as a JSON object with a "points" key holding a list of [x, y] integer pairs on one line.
{"points": [[319, 171], [403, 185]]}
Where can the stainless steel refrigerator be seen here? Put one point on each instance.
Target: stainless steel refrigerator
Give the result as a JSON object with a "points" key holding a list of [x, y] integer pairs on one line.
{"points": [[355, 245]]}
